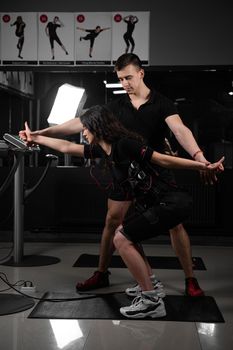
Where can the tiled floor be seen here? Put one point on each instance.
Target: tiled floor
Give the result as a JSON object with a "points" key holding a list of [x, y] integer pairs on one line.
{"points": [[17, 332]]}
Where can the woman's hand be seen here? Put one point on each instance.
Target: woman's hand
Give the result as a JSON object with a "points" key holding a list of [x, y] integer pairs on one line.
{"points": [[217, 167], [210, 177], [28, 136]]}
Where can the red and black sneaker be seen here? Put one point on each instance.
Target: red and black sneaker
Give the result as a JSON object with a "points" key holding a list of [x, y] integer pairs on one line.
{"points": [[192, 288], [98, 280]]}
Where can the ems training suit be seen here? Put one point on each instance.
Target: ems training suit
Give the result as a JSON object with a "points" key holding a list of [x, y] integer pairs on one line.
{"points": [[159, 205]]}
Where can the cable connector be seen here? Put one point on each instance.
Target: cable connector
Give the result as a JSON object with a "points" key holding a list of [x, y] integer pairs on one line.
{"points": [[28, 287]]}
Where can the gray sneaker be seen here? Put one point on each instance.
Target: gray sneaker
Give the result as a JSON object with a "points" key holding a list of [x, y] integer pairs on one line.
{"points": [[143, 306], [136, 289]]}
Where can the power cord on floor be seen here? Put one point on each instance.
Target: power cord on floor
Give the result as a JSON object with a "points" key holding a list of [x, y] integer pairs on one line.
{"points": [[16, 284], [89, 296]]}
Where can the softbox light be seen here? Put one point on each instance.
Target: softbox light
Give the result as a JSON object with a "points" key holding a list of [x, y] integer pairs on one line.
{"points": [[68, 104]]}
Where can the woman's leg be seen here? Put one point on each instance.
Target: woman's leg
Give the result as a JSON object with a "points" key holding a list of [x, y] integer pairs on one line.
{"points": [[149, 269], [115, 216], [132, 257], [147, 303]]}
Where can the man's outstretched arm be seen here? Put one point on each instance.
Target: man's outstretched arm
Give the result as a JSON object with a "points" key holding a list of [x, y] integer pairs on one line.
{"points": [[72, 126]]}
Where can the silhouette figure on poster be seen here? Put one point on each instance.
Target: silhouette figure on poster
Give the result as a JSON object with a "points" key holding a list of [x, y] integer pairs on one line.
{"points": [[19, 32], [92, 34], [131, 21], [50, 31]]}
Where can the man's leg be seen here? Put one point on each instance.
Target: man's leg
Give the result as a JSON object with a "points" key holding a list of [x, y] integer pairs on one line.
{"points": [[181, 245], [115, 215]]}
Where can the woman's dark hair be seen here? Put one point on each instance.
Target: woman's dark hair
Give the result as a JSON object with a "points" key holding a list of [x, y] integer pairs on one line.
{"points": [[105, 126], [126, 59]]}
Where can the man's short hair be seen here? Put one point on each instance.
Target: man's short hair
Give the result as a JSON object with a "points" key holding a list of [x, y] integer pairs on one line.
{"points": [[126, 59]]}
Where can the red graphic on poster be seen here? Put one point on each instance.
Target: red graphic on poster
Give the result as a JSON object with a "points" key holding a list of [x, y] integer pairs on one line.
{"points": [[117, 17], [43, 18], [6, 18], [80, 18]]}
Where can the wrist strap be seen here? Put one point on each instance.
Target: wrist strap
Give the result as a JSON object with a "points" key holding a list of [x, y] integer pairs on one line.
{"points": [[199, 151]]}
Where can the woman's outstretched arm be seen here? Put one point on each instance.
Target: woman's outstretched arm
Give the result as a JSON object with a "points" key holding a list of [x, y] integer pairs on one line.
{"points": [[59, 145]]}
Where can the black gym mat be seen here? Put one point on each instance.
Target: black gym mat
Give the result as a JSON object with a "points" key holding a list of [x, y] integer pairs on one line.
{"points": [[179, 308], [13, 303], [158, 262]]}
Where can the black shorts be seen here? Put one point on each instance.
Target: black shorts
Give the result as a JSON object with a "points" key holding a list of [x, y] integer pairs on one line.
{"points": [[119, 195], [173, 209]]}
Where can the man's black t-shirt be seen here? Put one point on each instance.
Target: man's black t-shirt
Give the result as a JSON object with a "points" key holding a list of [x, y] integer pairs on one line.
{"points": [[148, 120]]}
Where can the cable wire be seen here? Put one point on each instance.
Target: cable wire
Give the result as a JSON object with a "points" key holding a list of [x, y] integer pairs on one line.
{"points": [[89, 296]]}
